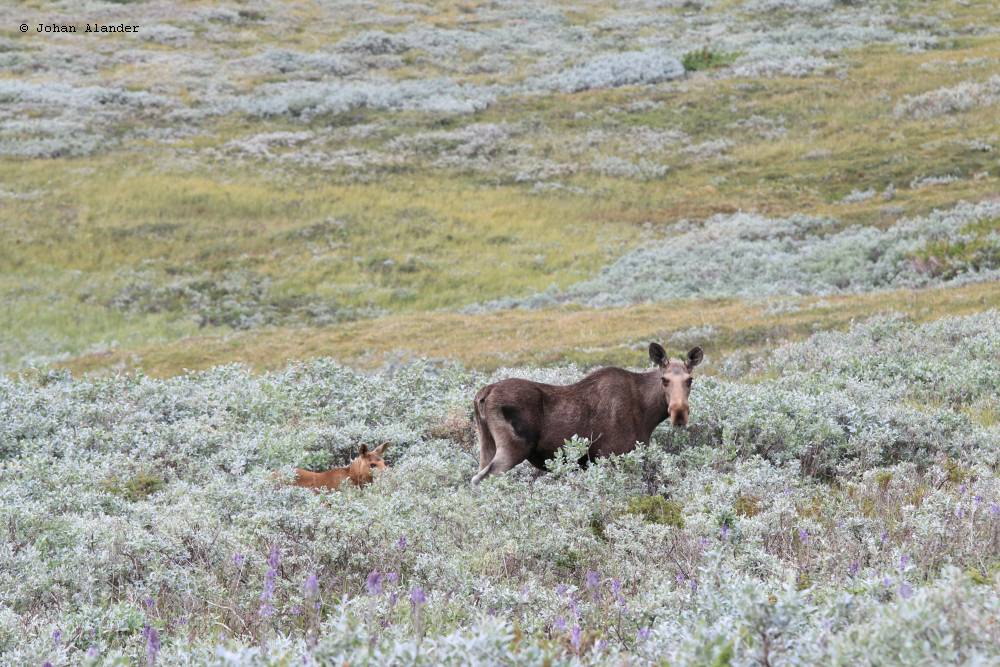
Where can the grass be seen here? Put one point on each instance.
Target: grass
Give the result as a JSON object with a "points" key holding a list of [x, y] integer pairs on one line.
{"points": [[705, 58], [585, 336], [412, 241]]}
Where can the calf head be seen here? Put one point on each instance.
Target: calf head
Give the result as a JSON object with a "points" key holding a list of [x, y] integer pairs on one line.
{"points": [[675, 375], [363, 467]]}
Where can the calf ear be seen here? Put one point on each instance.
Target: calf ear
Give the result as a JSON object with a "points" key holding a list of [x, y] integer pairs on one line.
{"points": [[380, 449], [364, 450], [694, 357], [657, 354]]}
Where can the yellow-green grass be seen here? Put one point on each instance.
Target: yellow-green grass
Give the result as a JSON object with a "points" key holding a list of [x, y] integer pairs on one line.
{"points": [[585, 336], [418, 238]]}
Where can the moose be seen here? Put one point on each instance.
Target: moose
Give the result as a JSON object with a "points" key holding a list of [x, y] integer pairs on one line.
{"points": [[520, 420], [359, 471]]}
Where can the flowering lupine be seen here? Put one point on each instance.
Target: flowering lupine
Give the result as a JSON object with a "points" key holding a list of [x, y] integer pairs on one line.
{"points": [[274, 558], [616, 591], [854, 567], [311, 586], [152, 644], [401, 543], [267, 594], [575, 638], [905, 590], [56, 635], [374, 583]]}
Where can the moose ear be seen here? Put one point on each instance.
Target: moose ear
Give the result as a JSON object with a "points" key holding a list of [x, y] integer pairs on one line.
{"points": [[380, 449], [657, 354], [694, 357], [364, 450]]}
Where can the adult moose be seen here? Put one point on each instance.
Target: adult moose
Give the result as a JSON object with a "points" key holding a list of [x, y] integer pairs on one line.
{"points": [[520, 420]]}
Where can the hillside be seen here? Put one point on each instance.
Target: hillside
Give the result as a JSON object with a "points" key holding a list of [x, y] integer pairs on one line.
{"points": [[255, 235]]}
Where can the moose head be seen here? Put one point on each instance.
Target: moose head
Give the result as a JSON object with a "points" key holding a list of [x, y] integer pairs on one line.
{"points": [[675, 375]]}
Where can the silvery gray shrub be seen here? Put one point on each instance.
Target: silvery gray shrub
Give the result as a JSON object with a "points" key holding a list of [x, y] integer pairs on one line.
{"points": [[748, 255], [133, 503]]}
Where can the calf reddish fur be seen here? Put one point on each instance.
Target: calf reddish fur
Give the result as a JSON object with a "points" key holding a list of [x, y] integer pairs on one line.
{"points": [[359, 471], [521, 420]]}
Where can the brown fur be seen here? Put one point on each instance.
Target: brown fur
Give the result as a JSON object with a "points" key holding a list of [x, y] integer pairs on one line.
{"points": [[359, 472], [520, 420]]}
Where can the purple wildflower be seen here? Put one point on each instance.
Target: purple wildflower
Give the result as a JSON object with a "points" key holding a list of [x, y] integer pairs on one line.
{"points": [[267, 594], [562, 589], [296, 610], [575, 638], [238, 559], [152, 644], [401, 543], [724, 532], [887, 582], [904, 560], [311, 587], [392, 577], [593, 579], [92, 652], [905, 590], [47, 664], [417, 596], [643, 634], [149, 602], [994, 509], [616, 590], [374, 583], [959, 512], [885, 536], [560, 624], [56, 635], [978, 499], [853, 569], [963, 488], [274, 558], [803, 535]]}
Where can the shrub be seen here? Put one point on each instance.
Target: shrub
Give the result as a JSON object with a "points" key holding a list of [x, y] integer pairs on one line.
{"points": [[657, 509], [705, 58]]}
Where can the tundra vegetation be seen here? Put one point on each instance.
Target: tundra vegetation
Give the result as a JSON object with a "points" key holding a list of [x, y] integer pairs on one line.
{"points": [[254, 235]]}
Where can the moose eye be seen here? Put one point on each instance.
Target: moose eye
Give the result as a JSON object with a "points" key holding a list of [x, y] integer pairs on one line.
{"points": [[688, 382], [665, 381]]}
